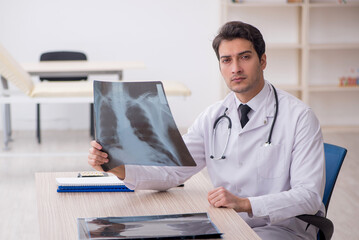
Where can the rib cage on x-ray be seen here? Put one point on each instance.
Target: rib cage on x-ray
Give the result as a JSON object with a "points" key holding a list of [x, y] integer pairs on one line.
{"points": [[135, 126]]}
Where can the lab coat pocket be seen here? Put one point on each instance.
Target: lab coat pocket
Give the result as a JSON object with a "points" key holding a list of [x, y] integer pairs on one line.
{"points": [[270, 163]]}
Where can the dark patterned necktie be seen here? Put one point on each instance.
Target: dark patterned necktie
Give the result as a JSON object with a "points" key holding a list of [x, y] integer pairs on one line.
{"points": [[244, 111]]}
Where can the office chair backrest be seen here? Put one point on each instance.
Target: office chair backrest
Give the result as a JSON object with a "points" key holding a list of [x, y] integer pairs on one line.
{"points": [[334, 157], [63, 56], [14, 73]]}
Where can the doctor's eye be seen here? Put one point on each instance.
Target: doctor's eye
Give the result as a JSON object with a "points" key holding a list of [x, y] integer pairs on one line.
{"points": [[245, 57], [225, 60]]}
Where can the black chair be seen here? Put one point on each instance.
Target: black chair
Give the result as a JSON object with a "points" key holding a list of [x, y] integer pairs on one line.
{"points": [[62, 56], [334, 157]]}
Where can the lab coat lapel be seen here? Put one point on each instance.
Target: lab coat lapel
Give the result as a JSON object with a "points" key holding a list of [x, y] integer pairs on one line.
{"points": [[258, 120], [263, 115]]}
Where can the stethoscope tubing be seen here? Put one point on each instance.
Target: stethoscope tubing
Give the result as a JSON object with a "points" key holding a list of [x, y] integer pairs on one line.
{"points": [[228, 134], [275, 115]]}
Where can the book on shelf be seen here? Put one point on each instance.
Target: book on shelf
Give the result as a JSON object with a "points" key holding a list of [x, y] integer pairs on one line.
{"points": [[267, 1]]}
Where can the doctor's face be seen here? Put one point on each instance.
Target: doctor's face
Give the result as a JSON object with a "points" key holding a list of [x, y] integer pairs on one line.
{"points": [[241, 68]]}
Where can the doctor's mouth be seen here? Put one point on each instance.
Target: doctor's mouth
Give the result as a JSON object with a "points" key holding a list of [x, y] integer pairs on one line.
{"points": [[238, 78]]}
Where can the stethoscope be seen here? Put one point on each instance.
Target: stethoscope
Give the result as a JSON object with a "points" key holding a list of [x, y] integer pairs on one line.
{"points": [[226, 117]]}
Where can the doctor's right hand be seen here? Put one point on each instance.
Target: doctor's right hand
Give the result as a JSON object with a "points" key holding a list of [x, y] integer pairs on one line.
{"points": [[96, 157]]}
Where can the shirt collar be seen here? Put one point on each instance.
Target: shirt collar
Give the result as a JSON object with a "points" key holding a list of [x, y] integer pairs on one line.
{"points": [[257, 100]]}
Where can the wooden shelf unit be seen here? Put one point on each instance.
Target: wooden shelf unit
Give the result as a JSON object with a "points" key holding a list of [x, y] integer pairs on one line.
{"points": [[313, 4], [300, 36], [333, 88]]}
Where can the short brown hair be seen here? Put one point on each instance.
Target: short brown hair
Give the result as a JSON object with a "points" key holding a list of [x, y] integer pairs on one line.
{"points": [[237, 29]]}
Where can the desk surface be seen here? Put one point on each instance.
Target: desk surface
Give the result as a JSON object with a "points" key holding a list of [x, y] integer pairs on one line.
{"points": [[55, 68], [58, 212], [80, 68]]}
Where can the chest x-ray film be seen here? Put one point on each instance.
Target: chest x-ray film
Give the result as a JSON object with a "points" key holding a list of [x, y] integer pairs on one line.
{"points": [[177, 226], [135, 126]]}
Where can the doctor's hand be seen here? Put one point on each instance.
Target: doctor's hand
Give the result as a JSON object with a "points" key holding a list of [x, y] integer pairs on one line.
{"points": [[221, 197], [96, 157]]}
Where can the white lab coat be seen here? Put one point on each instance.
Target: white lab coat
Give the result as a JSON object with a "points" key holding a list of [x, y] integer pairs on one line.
{"points": [[282, 180]]}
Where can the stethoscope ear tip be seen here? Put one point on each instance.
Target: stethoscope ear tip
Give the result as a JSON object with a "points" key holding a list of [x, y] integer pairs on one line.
{"points": [[211, 157]]}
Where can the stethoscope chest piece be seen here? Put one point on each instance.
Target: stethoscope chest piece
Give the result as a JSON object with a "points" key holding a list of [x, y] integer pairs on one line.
{"points": [[267, 144]]}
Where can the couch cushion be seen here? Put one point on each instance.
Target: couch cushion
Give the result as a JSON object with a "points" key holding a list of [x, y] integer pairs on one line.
{"points": [[63, 89]]}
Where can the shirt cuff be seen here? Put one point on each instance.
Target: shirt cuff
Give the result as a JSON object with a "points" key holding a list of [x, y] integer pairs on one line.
{"points": [[130, 178], [258, 207]]}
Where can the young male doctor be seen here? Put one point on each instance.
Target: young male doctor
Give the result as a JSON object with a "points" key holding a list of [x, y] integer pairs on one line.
{"points": [[267, 184]]}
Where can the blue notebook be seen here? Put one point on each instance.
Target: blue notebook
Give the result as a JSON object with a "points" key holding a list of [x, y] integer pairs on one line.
{"points": [[91, 184]]}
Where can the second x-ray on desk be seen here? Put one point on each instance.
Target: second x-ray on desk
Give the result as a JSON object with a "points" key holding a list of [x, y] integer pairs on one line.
{"points": [[175, 226], [134, 125]]}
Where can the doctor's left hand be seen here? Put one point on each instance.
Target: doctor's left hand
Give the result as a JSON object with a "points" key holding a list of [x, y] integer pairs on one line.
{"points": [[221, 197]]}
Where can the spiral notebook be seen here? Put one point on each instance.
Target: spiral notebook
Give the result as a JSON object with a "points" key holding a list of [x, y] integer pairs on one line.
{"points": [[91, 184]]}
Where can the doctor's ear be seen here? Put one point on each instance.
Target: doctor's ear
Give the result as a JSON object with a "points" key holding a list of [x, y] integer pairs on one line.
{"points": [[263, 61]]}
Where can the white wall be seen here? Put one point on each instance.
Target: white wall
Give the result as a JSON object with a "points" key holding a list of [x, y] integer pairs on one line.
{"points": [[172, 37]]}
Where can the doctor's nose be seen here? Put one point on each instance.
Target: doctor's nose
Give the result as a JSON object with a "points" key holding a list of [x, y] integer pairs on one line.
{"points": [[236, 67]]}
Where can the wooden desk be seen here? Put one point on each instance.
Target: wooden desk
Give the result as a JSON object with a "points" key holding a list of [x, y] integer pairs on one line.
{"points": [[58, 212], [78, 68]]}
